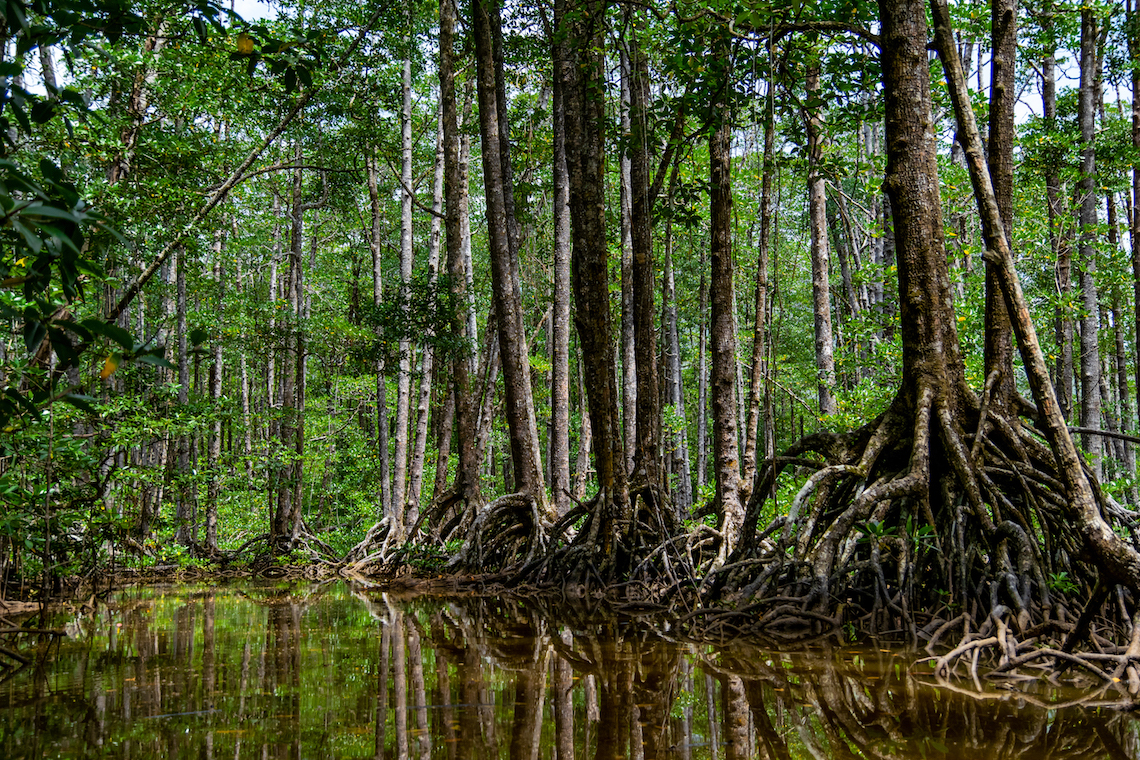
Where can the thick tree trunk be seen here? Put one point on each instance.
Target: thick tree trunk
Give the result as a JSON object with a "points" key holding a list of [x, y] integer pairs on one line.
{"points": [[647, 454], [504, 272], [467, 472], [579, 63], [820, 255]]}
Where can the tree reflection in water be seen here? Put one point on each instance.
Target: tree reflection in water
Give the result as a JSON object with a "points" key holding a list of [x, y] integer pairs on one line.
{"points": [[302, 671]]}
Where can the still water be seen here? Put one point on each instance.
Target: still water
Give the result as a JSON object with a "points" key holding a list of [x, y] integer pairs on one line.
{"points": [[326, 671]]}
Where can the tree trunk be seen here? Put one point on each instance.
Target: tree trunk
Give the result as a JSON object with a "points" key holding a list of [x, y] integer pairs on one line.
{"points": [[1062, 254], [1090, 346], [467, 471], [578, 62], [419, 450], [1133, 25], [723, 332], [756, 387], [404, 373], [214, 444], [377, 242], [998, 350], [629, 385], [820, 255], [560, 316], [504, 271], [678, 445], [647, 455]]}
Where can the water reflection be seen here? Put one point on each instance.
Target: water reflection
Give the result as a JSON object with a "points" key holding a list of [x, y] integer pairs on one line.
{"points": [[301, 671]]}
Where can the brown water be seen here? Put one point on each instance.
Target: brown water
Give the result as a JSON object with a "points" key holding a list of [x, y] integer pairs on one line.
{"points": [[305, 671]]}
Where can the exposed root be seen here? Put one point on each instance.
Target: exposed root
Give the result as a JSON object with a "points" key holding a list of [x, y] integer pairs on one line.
{"points": [[936, 505]]}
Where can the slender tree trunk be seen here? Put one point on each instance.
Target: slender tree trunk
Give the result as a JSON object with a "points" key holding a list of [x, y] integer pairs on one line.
{"points": [[1058, 241], [723, 333], [756, 387], [386, 505], [703, 379], [214, 445], [1133, 26], [820, 255], [998, 348], [404, 373], [1090, 347], [679, 443], [560, 316], [183, 504], [416, 467], [628, 339]]}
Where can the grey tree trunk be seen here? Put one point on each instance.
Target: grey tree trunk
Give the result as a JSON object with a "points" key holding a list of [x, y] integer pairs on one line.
{"points": [[183, 505], [723, 332], [1133, 26], [1059, 243], [628, 340], [756, 388], [214, 443], [560, 317], [678, 443], [385, 493], [419, 450], [820, 255], [1090, 347], [404, 373]]}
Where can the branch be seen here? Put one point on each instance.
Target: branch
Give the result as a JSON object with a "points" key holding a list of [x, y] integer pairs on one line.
{"points": [[235, 177]]}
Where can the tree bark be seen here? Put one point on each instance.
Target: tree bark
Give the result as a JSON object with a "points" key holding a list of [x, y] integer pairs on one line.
{"points": [[427, 361], [504, 272], [998, 350], [1090, 327], [722, 331], [560, 315], [467, 472], [757, 395], [820, 255], [376, 244], [647, 455], [579, 64], [1112, 554]]}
